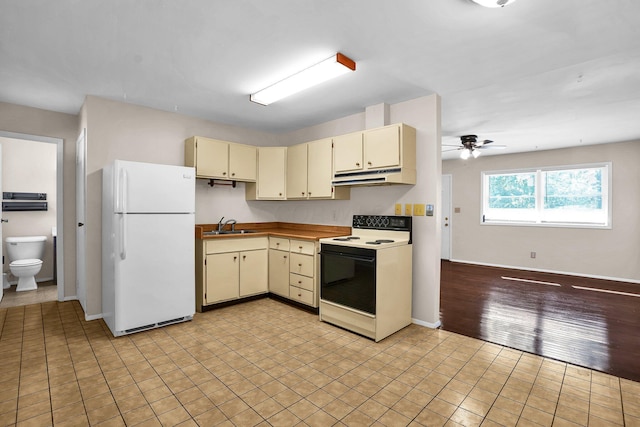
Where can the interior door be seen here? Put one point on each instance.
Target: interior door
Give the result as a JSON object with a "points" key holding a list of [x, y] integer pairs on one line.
{"points": [[81, 207], [1, 222], [446, 217]]}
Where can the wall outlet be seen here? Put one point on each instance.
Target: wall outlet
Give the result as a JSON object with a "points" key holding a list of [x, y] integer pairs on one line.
{"points": [[407, 209], [533, 254], [418, 209], [398, 208]]}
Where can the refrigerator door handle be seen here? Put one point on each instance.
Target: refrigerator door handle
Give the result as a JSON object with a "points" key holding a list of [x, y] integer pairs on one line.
{"points": [[123, 236]]}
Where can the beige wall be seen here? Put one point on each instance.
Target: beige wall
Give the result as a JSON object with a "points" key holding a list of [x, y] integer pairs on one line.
{"points": [[610, 253], [34, 121], [29, 166], [128, 132]]}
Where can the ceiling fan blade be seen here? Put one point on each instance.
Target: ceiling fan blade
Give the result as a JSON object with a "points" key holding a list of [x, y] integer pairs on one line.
{"points": [[451, 149], [482, 143], [499, 147]]}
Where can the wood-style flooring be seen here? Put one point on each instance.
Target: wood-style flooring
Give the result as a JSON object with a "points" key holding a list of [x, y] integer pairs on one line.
{"points": [[587, 322]]}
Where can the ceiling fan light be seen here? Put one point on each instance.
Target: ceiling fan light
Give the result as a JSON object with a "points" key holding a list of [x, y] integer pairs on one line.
{"points": [[465, 153], [493, 3], [476, 153]]}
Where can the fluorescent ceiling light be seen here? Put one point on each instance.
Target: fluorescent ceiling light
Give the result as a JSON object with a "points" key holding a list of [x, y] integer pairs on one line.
{"points": [[334, 66], [493, 3]]}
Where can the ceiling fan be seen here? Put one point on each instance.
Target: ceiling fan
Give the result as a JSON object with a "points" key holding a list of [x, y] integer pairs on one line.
{"points": [[470, 146]]}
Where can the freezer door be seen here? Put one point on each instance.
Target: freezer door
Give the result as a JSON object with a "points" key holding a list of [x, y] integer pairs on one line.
{"points": [[153, 188], [154, 273]]}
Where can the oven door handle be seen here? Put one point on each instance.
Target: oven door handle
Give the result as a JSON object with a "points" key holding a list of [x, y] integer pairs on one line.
{"points": [[370, 260]]}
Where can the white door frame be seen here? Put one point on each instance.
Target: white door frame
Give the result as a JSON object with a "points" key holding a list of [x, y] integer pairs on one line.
{"points": [[447, 223], [59, 200], [81, 215]]}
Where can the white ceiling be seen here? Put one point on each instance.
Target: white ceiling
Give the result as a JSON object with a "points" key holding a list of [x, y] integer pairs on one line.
{"points": [[538, 74]]}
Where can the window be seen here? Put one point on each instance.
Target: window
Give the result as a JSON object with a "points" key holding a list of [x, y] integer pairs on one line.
{"points": [[573, 196]]}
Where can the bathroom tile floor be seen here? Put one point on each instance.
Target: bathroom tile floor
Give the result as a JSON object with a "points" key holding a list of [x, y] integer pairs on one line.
{"points": [[47, 291], [266, 363]]}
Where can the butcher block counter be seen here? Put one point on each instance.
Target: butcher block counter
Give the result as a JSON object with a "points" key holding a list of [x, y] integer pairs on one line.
{"points": [[259, 259]]}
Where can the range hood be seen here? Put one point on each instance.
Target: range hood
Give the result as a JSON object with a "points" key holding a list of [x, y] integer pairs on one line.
{"points": [[395, 176]]}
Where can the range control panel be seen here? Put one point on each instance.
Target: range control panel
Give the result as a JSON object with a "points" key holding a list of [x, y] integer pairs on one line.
{"points": [[382, 222]]}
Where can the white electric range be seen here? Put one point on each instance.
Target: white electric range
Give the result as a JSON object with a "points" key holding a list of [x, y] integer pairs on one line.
{"points": [[366, 278]]}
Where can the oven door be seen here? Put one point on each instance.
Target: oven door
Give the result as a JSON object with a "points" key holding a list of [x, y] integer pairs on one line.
{"points": [[348, 277]]}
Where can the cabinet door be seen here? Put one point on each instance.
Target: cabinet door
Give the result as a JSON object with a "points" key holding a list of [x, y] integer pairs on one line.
{"points": [[297, 171], [243, 162], [382, 147], [347, 152], [222, 277], [254, 271], [212, 158], [279, 272], [271, 172], [320, 169]]}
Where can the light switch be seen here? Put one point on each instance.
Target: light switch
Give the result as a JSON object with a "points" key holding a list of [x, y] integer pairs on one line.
{"points": [[418, 209], [407, 209], [398, 208]]}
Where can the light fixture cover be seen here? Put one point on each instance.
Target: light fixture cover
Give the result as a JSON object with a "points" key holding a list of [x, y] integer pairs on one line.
{"points": [[493, 3], [331, 67], [465, 153], [475, 153]]}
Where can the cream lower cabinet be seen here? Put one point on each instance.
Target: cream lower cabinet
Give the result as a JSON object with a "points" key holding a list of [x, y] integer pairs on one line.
{"points": [[279, 266], [293, 269], [228, 269], [303, 272]]}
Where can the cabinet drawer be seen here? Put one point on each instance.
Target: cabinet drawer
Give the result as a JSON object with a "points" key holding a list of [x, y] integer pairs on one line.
{"points": [[302, 247], [301, 295], [300, 281], [301, 264], [217, 246], [279, 243]]}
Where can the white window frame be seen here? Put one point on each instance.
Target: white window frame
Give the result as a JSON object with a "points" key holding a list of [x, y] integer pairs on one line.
{"points": [[539, 221]]}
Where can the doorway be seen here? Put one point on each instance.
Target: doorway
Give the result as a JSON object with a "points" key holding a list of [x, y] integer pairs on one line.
{"points": [[57, 232]]}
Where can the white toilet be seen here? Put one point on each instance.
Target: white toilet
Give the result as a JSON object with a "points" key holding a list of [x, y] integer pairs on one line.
{"points": [[25, 257]]}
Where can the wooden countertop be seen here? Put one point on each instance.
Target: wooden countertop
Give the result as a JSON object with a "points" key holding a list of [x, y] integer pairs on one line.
{"points": [[287, 230]]}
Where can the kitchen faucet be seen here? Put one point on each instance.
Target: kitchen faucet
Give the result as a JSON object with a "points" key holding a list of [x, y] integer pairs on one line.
{"points": [[229, 221]]}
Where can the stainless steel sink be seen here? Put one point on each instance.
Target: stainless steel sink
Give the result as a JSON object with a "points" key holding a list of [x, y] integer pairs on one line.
{"points": [[216, 232]]}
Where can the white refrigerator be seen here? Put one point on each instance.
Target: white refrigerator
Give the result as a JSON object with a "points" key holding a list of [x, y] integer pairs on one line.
{"points": [[148, 245]]}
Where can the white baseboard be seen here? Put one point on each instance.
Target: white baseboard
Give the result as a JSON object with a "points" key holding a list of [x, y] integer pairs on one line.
{"points": [[426, 324], [88, 318], [542, 270], [70, 298]]}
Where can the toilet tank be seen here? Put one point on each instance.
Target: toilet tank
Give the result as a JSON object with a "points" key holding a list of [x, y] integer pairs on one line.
{"points": [[26, 247]]}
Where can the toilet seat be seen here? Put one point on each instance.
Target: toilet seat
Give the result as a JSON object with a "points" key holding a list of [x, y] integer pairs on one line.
{"points": [[25, 263]]}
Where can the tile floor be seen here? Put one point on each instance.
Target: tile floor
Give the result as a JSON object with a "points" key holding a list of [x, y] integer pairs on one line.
{"points": [[47, 291], [266, 363]]}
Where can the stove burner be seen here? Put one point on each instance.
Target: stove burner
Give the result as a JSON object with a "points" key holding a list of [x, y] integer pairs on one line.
{"points": [[346, 239], [384, 241], [373, 243]]}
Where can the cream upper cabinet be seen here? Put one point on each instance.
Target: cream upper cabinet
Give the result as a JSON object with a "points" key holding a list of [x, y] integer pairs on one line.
{"points": [[270, 185], [382, 147], [319, 169], [310, 172], [297, 172], [347, 152], [243, 162], [216, 159]]}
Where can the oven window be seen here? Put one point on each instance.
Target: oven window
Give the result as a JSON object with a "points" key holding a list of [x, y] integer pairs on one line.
{"points": [[348, 277]]}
